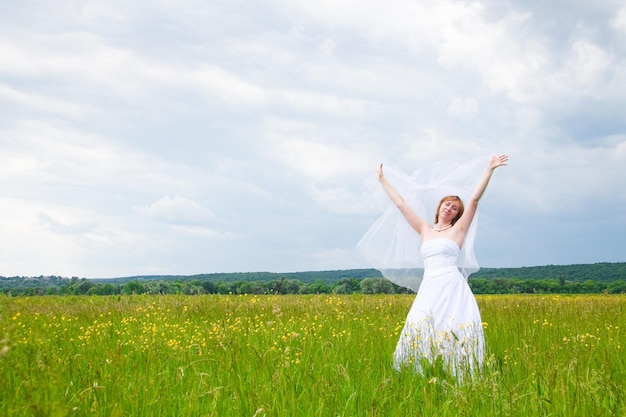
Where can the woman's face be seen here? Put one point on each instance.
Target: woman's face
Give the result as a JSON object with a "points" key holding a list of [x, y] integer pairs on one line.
{"points": [[448, 211]]}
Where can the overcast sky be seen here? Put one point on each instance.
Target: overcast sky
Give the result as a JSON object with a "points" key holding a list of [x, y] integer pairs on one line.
{"points": [[185, 137]]}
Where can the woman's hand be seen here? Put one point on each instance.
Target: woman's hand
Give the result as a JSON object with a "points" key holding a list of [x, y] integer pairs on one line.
{"points": [[411, 217], [379, 173], [498, 161]]}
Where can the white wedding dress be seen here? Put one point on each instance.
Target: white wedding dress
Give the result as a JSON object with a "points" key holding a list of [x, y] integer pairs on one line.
{"points": [[444, 322]]}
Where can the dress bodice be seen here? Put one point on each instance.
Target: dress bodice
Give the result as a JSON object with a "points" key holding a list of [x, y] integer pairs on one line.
{"points": [[440, 253]]}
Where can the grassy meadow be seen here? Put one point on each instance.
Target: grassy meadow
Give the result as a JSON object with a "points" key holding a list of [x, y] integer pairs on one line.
{"points": [[318, 355]]}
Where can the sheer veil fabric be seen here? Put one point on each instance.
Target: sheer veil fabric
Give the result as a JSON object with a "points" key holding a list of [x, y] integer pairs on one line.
{"points": [[391, 245]]}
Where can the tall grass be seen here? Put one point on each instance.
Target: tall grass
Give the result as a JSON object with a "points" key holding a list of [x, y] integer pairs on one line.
{"points": [[300, 356]]}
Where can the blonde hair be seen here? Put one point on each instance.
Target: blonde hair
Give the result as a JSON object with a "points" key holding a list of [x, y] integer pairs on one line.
{"points": [[450, 198]]}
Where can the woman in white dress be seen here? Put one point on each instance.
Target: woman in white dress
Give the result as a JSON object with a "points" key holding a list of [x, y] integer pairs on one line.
{"points": [[444, 323]]}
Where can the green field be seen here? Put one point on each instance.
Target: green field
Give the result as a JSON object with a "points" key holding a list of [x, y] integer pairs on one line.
{"points": [[326, 355]]}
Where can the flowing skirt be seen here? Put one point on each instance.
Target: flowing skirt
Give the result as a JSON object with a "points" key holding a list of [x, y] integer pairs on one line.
{"points": [[444, 324]]}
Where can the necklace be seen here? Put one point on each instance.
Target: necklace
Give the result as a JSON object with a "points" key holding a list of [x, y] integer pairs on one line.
{"points": [[442, 229]]}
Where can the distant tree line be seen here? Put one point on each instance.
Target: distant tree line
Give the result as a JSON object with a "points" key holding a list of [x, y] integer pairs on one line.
{"points": [[602, 271], [82, 286], [17, 286], [545, 286]]}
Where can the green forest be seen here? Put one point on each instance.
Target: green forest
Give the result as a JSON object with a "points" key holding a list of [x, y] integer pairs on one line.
{"points": [[558, 279]]}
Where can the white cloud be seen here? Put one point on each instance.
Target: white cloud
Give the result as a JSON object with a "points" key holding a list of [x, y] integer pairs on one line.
{"points": [[618, 22], [316, 160], [228, 87], [322, 103], [342, 201], [463, 108], [58, 227], [174, 137], [54, 157], [177, 210], [42, 103], [588, 69], [327, 47]]}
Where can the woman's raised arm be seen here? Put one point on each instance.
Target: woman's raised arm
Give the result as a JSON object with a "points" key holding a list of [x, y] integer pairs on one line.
{"points": [[411, 217], [472, 205]]}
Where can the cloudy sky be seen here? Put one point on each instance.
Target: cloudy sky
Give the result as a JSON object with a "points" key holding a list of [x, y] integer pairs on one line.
{"points": [[184, 137]]}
